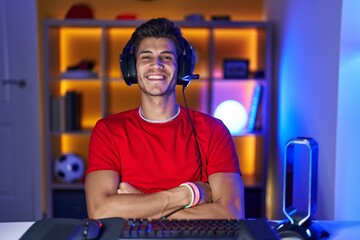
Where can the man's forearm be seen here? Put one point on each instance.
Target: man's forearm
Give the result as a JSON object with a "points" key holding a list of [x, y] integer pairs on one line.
{"points": [[106, 198], [154, 205], [209, 211]]}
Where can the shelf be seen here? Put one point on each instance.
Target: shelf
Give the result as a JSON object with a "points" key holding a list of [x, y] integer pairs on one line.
{"points": [[80, 132], [59, 79], [68, 186], [86, 23], [259, 80]]}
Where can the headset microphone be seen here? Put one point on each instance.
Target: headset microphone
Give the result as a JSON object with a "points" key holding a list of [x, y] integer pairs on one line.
{"points": [[187, 78]]}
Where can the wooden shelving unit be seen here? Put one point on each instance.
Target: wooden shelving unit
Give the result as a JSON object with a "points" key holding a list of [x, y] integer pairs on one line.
{"points": [[67, 42]]}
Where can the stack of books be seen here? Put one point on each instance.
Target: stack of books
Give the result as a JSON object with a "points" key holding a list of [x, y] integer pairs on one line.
{"points": [[65, 114]]}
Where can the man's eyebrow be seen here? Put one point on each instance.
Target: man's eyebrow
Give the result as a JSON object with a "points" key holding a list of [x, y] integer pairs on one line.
{"points": [[144, 52], [163, 52], [168, 52]]}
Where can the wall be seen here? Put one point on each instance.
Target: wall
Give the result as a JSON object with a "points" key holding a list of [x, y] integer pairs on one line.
{"points": [[316, 96], [145, 9], [347, 196]]}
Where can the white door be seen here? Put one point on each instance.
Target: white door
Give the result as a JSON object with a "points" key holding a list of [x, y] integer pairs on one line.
{"points": [[20, 148]]}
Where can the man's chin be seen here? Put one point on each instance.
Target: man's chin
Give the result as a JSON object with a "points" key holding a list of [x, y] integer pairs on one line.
{"points": [[153, 92], [156, 88]]}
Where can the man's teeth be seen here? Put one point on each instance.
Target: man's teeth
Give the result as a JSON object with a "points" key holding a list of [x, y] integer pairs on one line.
{"points": [[155, 77]]}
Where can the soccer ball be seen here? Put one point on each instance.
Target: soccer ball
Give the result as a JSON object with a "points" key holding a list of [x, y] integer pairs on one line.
{"points": [[69, 168]]}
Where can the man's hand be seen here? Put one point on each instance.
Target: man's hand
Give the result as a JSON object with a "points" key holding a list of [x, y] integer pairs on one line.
{"points": [[221, 198], [125, 187]]}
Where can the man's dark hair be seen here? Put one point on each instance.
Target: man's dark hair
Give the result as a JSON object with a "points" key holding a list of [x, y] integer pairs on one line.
{"points": [[158, 28]]}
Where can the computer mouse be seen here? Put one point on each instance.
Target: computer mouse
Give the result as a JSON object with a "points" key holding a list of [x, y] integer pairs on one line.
{"points": [[87, 229]]}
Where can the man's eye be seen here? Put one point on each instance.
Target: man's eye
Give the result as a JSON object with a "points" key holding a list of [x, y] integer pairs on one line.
{"points": [[167, 58]]}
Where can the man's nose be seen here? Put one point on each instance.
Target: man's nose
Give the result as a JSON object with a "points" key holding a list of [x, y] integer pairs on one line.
{"points": [[158, 63]]}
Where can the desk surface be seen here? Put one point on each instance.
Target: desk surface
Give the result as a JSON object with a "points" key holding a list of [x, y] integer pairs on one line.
{"points": [[341, 230], [13, 230], [349, 230]]}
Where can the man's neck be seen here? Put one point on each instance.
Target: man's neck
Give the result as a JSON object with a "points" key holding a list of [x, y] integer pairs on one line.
{"points": [[159, 108]]}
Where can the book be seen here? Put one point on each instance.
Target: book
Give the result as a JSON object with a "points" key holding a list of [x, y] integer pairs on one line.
{"points": [[54, 114], [72, 111], [254, 109], [62, 110]]}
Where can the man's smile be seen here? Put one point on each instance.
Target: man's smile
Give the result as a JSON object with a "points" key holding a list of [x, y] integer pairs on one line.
{"points": [[155, 77]]}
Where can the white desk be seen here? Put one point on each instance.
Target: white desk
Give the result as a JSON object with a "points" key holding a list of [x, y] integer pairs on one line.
{"points": [[339, 230], [13, 230], [342, 230]]}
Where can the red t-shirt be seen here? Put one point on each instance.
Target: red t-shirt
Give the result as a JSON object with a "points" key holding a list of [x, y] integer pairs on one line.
{"points": [[154, 157]]}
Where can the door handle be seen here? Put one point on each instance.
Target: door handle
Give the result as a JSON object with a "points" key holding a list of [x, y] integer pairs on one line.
{"points": [[20, 83]]}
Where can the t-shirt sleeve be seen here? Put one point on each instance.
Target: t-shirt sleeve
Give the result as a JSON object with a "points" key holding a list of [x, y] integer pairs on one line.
{"points": [[222, 152], [102, 152]]}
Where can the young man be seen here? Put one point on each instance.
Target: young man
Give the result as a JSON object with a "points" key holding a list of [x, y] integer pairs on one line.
{"points": [[160, 160]]}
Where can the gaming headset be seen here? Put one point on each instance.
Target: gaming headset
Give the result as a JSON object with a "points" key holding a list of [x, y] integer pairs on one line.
{"points": [[186, 65]]}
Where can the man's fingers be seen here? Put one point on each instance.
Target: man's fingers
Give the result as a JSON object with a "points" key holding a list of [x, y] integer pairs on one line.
{"points": [[125, 187]]}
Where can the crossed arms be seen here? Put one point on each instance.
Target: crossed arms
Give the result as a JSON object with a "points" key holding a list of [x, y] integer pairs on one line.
{"points": [[221, 198]]}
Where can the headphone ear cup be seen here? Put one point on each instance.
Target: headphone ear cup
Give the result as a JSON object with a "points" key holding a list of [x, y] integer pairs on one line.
{"points": [[128, 67], [186, 64], [181, 70], [132, 68]]}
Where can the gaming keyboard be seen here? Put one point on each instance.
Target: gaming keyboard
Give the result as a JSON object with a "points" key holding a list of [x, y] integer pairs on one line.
{"points": [[115, 228], [196, 229]]}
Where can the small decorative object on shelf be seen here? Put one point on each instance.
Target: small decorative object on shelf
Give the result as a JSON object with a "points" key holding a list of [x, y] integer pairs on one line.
{"points": [[82, 70], [236, 68], [69, 168], [126, 16], [79, 74], [195, 17], [221, 18], [80, 11]]}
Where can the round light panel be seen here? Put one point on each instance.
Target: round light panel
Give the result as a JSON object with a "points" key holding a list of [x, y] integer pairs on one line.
{"points": [[233, 114]]}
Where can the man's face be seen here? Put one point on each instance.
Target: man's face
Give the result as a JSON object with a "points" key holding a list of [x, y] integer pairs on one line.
{"points": [[156, 66]]}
